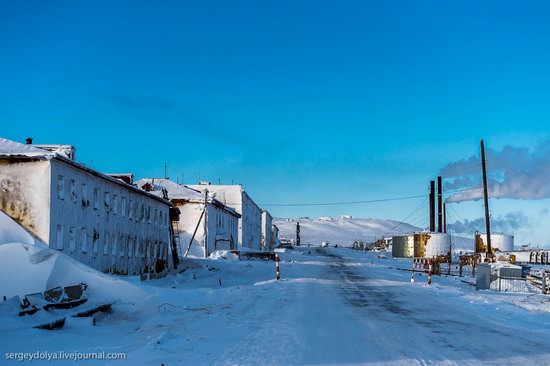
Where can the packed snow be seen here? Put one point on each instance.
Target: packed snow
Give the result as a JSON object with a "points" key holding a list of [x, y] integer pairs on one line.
{"points": [[331, 306]]}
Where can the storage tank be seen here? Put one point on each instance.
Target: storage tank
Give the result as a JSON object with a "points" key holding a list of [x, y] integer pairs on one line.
{"points": [[403, 246], [428, 245], [502, 242]]}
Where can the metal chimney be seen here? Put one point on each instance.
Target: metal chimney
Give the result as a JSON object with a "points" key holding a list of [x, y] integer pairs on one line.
{"points": [[28, 140], [432, 206], [439, 206]]}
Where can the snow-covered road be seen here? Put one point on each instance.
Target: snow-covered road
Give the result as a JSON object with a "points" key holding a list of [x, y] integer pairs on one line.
{"points": [[332, 306], [356, 313]]}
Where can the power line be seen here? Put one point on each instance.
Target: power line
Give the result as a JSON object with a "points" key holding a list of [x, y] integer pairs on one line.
{"points": [[408, 216], [342, 203]]}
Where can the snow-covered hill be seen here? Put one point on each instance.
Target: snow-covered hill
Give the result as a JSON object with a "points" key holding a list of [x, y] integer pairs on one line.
{"points": [[342, 231]]}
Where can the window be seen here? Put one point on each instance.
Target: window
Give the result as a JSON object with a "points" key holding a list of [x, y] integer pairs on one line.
{"points": [[96, 198], [83, 240], [60, 187], [115, 204], [72, 190], [72, 239], [95, 240], [84, 195], [129, 247], [148, 214], [106, 243], [131, 209], [156, 216], [107, 201], [59, 237], [123, 206]]}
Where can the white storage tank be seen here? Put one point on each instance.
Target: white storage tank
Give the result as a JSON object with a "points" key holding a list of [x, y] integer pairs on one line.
{"points": [[438, 244], [502, 242]]}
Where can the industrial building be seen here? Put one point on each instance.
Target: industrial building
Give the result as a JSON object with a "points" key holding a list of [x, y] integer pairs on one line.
{"points": [[499, 242], [101, 221], [205, 223], [421, 245], [250, 223]]}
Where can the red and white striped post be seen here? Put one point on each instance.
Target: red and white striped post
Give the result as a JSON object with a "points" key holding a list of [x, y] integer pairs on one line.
{"points": [[430, 269], [277, 271]]}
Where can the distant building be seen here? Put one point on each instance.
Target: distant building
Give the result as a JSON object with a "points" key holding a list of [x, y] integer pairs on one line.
{"points": [[250, 223], [215, 228], [267, 234], [99, 220], [275, 242]]}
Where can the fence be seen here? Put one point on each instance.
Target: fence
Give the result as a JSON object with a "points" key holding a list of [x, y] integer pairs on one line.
{"points": [[518, 284]]}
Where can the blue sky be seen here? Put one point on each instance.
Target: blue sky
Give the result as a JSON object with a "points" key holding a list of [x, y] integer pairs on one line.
{"points": [[300, 101]]}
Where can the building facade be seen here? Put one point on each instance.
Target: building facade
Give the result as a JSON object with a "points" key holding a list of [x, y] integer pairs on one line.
{"points": [[214, 225], [250, 223], [267, 234], [100, 221]]}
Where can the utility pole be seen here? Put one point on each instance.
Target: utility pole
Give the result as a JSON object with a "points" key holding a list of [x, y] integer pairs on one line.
{"points": [[432, 206], [297, 233], [206, 223], [486, 198], [164, 170], [439, 206]]}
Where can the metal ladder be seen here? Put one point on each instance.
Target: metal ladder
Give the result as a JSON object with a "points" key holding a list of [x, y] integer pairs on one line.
{"points": [[176, 239]]}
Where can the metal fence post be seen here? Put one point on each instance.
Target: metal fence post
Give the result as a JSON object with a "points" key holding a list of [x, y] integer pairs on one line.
{"points": [[544, 282]]}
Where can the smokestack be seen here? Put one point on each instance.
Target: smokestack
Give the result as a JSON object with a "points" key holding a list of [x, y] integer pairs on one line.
{"points": [[28, 141], [445, 218], [432, 206], [439, 206]]}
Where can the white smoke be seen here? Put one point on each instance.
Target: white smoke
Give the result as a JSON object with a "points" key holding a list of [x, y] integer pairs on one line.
{"points": [[507, 223], [513, 172]]}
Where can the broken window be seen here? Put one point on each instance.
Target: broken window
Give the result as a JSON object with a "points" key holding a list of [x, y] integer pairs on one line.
{"points": [[72, 190], [59, 237], [84, 195], [96, 198], [60, 187], [148, 214], [107, 201], [94, 242], [130, 209], [83, 240], [72, 239]]}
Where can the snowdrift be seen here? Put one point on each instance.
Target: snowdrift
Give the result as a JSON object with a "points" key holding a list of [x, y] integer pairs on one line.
{"points": [[27, 266]]}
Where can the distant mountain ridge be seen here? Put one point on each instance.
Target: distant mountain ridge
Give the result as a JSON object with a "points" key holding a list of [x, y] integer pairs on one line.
{"points": [[342, 231]]}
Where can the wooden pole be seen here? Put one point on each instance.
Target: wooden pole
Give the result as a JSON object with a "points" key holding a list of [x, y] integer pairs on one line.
{"points": [[486, 198], [194, 232], [205, 223]]}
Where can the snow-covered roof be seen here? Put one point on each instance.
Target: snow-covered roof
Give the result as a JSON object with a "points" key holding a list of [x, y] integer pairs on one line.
{"points": [[179, 192], [175, 191], [9, 148], [12, 148]]}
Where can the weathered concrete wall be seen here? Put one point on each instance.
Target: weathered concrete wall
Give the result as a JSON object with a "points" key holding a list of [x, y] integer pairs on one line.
{"points": [[250, 223], [104, 224], [267, 240], [25, 194], [222, 228]]}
